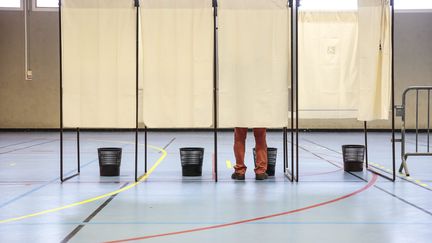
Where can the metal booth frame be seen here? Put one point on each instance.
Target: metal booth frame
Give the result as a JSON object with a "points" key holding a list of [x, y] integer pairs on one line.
{"points": [[290, 171], [295, 147], [78, 170], [371, 167]]}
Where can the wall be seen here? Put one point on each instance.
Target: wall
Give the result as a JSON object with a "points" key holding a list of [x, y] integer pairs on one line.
{"points": [[29, 103], [35, 103], [413, 58]]}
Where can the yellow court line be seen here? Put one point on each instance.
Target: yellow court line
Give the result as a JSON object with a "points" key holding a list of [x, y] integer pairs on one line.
{"points": [[229, 164], [141, 179], [409, 178]]}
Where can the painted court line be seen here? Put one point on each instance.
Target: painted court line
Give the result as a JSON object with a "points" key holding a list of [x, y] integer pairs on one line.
{"points": [[141, 179], [379, 188], [41, 186], [404, 177], [367, 186], [228, 164], [31, 146], [405, 201], [321, 173], [382, 168], [14, 144], [169, 143], [90, 217], [223, 222]]}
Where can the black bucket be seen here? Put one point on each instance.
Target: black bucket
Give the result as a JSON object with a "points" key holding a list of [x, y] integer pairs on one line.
{"points": [[353, 157], [191, 161], [109, 161], [271, 157]]}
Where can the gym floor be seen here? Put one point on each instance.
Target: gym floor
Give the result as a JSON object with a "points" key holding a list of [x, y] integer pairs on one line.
{"points": [[326, 205]]}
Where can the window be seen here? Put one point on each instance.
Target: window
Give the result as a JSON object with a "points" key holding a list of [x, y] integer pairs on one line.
{"points": [[413, 4], [10, 5], [334, 5], [328, 5], [45, 5]]}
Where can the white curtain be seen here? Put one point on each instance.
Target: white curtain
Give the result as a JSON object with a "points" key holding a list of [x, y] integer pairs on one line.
{"points": [[374, 59], [177, 63], [98, 63], [345, 62], [327, 64], [254, 63]]}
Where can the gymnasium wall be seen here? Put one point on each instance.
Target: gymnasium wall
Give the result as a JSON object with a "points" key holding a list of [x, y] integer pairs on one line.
{"points": [[29, 103], [35, 103]]}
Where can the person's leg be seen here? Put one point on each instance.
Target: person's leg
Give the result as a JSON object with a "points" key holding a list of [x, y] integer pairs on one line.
{"points": [[261, 150], [240, 134]]}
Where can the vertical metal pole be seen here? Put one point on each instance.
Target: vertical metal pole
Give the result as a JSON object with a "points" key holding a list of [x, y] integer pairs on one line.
{"points": [[61, 90], [215, 84], [428, 123], [285, 135], [26, 40], [292, 89], [78, 149], [145, 149], [393, 91], [136, 88], [403, 164], [403, 138], [417, 117], [366, 143], [296, 90], [284, 144]]}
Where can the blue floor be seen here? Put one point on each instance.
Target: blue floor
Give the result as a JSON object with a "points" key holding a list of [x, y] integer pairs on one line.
{"points": [[326, 205]]}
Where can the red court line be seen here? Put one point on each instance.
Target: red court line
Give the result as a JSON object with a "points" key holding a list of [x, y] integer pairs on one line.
{"points": [[367, 186]]}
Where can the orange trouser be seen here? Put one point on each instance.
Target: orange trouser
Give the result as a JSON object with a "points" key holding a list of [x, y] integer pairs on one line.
{"points": [[260, 147]]}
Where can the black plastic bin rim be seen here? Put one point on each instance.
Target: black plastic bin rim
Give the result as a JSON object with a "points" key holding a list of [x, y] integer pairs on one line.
{"points": [[191, 149], [109, 149], [353, 146], [269, 149]]}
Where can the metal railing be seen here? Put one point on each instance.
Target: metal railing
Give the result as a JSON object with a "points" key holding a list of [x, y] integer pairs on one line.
{"points": [[401, 112]]}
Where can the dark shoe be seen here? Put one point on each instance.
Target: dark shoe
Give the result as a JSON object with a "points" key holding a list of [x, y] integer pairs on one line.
{"points": [[237, 176], [260, 177]]}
